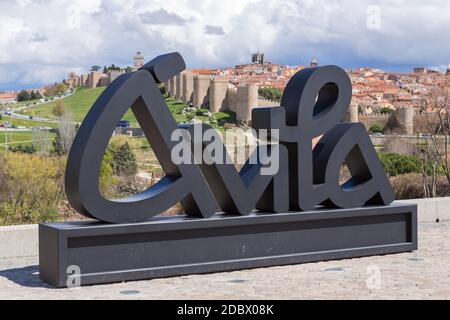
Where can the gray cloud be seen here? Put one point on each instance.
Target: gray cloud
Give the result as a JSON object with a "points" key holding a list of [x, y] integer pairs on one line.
{"points": [[162, 17], [345, 32], [214, 30], [37, 37]]}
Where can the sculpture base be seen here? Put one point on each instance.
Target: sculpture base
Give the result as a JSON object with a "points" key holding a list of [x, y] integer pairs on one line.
{"points": [[171, 246]]}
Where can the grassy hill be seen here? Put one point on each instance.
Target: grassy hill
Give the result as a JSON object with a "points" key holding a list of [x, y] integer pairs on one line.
{"points": [[79, 103]]}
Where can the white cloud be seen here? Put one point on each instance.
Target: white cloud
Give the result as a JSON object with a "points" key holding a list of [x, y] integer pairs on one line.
{"points": [[41, 40]]}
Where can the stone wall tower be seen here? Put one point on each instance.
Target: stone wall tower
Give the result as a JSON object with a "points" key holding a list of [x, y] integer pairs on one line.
{"points": [[218, 94], [179, 90], [400, 122], [201, 91], [188, 87], [173, 87], [352, 114], [247, 99], [405, 117]]}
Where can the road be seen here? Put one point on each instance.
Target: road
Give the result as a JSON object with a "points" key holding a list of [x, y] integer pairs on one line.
{"points": [[14, 113]]}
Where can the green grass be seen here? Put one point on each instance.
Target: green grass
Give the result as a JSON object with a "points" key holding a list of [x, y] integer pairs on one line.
{"points": [[30, 123], [24, 103], [19, 137], [78, 104]]}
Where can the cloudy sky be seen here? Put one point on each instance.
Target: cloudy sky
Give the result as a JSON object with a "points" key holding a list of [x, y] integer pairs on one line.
{"points": [[42, 40]]}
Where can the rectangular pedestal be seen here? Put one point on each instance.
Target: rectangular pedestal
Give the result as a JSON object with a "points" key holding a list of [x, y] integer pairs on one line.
{"points": [[170, 246]]}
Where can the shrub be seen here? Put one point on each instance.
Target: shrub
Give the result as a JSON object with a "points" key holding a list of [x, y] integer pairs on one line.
{"points": [[270, 93], [200, 112], [59, 109], [34, 187], [106, 179], [123, 160], [29, 149], [395, 164], [376, 128]]}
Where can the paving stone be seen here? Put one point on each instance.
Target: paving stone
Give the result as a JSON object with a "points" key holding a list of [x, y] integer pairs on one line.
{"points": [[423, 274]]}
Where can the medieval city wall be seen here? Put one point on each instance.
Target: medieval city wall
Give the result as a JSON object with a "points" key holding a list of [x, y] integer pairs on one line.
{"points": [[215, 94]]}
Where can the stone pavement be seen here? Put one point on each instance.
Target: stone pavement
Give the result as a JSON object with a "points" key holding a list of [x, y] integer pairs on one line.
{"points": [[423, 274]]}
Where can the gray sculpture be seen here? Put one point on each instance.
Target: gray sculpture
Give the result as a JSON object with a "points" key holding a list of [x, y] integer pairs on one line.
{"points": [[306, 178], [336, 221]]}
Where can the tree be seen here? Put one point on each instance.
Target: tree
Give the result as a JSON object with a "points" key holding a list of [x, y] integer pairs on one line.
{"points": [[95, 68], [64, 136], [23, 96], [41, 141], [123, 160], [59, 110], [56, 89], [270, 93], [436, 121], [61, 88], [34, 95]]}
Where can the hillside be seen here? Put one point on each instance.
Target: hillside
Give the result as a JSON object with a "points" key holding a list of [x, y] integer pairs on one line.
{"points": [[79, 103]]}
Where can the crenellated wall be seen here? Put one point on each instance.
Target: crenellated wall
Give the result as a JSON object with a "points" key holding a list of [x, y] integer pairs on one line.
{"points": [[216, 94]]}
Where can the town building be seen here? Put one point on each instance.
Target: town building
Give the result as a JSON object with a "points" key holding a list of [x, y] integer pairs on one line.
{"points": [[8, 97]]}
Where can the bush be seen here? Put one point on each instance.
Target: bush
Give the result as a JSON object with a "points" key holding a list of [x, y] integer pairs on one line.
{"points": [[200, 112], [59, 109], [106, 179], [123, 160], [395, 164], [28, 149], [270, 93], [376, 128], [34, 187], [23, 96]]}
